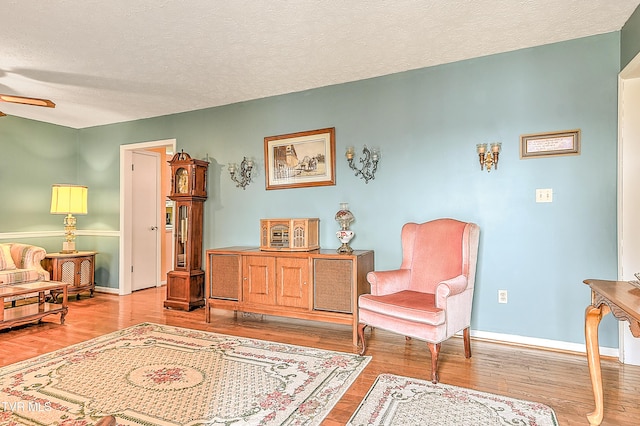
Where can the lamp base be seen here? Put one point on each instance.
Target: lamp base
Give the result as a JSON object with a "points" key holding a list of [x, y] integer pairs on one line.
{"points": [[345, 236], [344, 249], [69, 247]]}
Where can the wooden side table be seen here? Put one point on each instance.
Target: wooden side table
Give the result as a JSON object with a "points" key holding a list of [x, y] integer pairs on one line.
{"points": [[621, 299], [76, 269]]}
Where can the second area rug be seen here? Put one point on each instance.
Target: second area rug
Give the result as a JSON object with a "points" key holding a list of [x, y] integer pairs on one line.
{"points": [[154, 374], [403, 401]]}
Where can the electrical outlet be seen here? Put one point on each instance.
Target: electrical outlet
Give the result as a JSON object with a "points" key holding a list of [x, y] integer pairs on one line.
{"points": [[502, 296], [544, 195]]}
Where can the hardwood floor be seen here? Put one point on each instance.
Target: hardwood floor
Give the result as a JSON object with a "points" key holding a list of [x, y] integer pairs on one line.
{"points": [[560, 380]]}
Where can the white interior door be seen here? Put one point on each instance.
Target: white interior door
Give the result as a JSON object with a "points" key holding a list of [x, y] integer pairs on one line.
{"points": [[145, 235], [629, 194]]}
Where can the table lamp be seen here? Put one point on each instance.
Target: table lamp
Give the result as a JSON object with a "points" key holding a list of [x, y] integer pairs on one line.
{"points": [[69, 200]]}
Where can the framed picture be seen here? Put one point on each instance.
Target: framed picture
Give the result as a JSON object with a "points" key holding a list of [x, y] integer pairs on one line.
{"points": [[566, 142], [300, 159]]}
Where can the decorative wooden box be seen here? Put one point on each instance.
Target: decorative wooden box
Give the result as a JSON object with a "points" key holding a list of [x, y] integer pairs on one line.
{"points": [[289, 234]]}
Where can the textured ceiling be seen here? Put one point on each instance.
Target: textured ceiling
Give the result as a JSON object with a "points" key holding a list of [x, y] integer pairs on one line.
{"points": [[108, 61]]}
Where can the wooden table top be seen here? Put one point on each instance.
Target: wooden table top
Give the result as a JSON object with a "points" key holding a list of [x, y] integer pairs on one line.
{"points": [[27, 288], [625, 295]]}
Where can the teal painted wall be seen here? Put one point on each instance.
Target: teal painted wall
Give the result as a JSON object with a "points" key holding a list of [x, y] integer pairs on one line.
{"points": [[33, 156], [426, 123], [630, 39]]}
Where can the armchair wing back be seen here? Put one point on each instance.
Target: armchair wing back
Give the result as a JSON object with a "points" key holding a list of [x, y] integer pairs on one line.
{"points": [[431, 251], [27, 256], [431, 295]]}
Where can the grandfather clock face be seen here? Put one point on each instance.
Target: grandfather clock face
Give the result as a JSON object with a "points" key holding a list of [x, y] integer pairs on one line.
{"points": [[182, 181], [188, 177]]}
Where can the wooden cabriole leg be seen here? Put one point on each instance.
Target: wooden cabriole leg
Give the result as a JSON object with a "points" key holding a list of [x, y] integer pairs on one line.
{"points": [[467, 343], [435, 351], [65, 307], [361, 328], [593, 316]]}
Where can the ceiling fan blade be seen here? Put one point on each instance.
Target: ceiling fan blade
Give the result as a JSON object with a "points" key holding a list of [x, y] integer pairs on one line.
{"points": [[27, 101], [2, 114]]}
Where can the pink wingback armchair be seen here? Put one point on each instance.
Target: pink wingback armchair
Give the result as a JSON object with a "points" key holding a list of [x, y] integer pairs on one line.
{"points": [[430, 296]]}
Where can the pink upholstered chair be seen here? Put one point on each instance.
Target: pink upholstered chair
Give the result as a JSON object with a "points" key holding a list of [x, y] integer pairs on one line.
{"points": [[430, 296]]}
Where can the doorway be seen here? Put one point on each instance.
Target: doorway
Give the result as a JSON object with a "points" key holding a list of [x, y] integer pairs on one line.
{"points": [[628, 194], [145, 233], [131, 253]]}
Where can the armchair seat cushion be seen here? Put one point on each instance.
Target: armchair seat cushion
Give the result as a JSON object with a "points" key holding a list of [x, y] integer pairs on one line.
{"points": [[18, 276], [407, 305]]}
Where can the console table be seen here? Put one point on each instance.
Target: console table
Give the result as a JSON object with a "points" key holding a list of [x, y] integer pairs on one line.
{"points": [[621, 299], [24, 314], [319, 285]]}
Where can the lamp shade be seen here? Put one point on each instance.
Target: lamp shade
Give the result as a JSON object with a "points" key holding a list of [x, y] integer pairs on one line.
{"points": [[68, 199]]}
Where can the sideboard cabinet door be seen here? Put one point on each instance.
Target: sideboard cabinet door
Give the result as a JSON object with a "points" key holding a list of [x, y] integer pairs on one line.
{"points": [[258, 280], [292, 282], [76, 269]]}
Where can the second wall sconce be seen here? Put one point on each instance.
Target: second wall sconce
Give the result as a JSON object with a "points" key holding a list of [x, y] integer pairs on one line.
{"points": [[488, 157], [241, 175], [369, 162]]}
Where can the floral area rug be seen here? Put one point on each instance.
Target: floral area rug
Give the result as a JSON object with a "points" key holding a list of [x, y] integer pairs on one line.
{"points": [[395, 400], [152, 374]]}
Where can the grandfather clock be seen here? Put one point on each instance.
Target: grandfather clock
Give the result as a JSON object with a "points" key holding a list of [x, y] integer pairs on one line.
{"points": [[185, 283]]}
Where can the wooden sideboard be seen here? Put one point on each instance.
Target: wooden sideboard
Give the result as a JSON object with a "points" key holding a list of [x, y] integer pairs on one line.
{"points": [[76, 269], [319, 285]]}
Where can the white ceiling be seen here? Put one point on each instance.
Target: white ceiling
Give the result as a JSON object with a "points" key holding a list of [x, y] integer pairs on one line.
{"points": [[108, 61]]}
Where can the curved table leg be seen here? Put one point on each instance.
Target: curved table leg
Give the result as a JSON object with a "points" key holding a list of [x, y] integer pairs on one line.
{"points": [[361, 327], [592, 319]]}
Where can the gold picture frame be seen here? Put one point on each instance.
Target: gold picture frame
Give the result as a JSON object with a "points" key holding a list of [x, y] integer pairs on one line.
{"points": [[566, 142], [302, 159]]}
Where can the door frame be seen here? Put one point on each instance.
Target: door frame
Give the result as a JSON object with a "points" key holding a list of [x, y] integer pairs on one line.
{"points": [[628, 105], [125, 246]]}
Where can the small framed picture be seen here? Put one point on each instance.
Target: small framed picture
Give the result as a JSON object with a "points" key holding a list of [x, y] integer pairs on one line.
{"points": [[302, 159], [566, 142]]}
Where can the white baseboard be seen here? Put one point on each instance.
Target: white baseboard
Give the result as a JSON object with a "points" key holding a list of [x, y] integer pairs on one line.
{"points": [[541, 343], [109, 290]]}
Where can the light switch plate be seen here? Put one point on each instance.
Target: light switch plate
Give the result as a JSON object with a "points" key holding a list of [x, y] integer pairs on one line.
{"points": [[544, 195]]}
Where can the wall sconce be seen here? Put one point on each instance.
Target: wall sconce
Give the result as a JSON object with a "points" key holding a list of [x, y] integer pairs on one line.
{"points": [[244, 172], [369, 162], [488, 158]]}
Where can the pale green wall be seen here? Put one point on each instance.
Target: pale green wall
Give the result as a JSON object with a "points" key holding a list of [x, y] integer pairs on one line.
{"points": [[33, 156], [426, 123], [630, 39]]}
